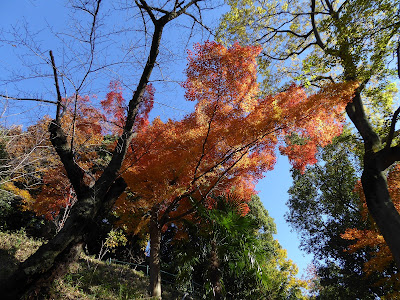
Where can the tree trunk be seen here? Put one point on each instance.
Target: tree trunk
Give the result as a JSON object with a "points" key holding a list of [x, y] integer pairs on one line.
{"points": [[377, 159], [380, 205], [52, 259], [155, 243], [214, 273], [49, 262]]}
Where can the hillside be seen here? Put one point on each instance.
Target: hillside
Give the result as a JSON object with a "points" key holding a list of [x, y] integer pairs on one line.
{"points": [[89, 278]]}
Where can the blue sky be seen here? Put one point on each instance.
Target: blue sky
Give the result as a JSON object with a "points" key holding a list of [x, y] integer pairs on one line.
{"points": [[169, 97], [273, 193]]}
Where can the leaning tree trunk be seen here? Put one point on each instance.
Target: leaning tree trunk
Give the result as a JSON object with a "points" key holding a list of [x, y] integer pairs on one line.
{"points": [[155, 262], [95, 201], [52, 259], [49, 262], [380, 205], [377, 159]]}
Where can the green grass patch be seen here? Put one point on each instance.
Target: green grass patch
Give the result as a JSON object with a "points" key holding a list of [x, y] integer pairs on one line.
{"points": [[15, 248], [87, 279], [93, 279]]}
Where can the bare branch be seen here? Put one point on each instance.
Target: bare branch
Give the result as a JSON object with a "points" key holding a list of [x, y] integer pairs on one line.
{"points": [[342, 6], [398, 60], [319, 78], [329, 4], [74, 122], [200, 22], [29, 99], [92, 31], [59, 99], [290, 54], [60, 143], [277, 31], [149, 10]]}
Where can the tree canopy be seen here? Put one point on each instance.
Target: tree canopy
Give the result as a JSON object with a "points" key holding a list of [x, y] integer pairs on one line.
{"points": [[94, 158]]}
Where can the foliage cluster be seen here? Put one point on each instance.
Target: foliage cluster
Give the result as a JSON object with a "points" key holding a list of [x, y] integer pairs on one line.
{"points": [[250, 263]]}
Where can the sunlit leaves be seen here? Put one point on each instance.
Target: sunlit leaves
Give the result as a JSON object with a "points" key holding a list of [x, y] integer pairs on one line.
{"points": [[230, 139], [115, 109], [223, 147]]}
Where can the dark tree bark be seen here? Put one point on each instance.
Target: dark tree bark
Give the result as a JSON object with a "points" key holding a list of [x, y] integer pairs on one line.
{"points": [[93, 202], [380, 205], [214, 273], [377, 159], [51, 260]]}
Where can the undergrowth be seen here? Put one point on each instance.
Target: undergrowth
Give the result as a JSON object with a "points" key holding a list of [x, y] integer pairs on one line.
{"points": [[88, 278]]}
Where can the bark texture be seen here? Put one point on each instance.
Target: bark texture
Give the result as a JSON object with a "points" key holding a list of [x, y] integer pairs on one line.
{"points": [[380, 205], [52, 259], [155, 262], [377, 159], [214, 273]]}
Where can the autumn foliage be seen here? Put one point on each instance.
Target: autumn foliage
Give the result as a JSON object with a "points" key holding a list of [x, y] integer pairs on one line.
{"points": [[230, 139], [371, 238], [223, 147], [42, 173]]}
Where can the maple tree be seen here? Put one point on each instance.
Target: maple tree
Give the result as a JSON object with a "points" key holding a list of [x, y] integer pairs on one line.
{"points": [[225, 145]]}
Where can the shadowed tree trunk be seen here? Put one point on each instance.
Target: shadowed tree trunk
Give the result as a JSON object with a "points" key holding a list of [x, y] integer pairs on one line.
{"points": [[379, 204], [214, 273], [379, 154], [377, 159], [155, 262], [52, 259]]}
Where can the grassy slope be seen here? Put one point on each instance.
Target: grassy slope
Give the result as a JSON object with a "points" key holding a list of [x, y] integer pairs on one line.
{"points": [[87, 279]]}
